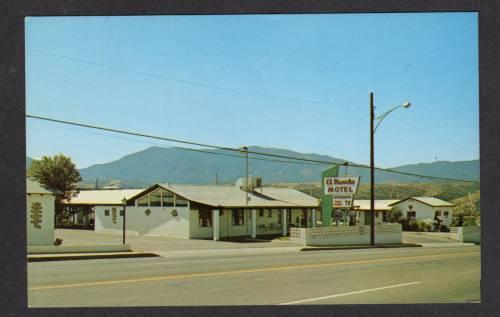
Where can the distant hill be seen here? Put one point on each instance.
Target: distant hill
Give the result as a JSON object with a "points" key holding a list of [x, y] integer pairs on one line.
{"points": [[157, 164], [28, 162]]}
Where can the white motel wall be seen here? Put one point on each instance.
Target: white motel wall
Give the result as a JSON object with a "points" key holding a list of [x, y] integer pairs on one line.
{"points": [[43, 232], [347, 235], [268, 222], [158, 221]]}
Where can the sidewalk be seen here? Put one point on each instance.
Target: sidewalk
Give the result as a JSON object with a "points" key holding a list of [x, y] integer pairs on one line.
{"points": [[87, 256]]}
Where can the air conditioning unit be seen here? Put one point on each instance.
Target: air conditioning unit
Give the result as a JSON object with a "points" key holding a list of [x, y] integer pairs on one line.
{"points": [[251, 183]]}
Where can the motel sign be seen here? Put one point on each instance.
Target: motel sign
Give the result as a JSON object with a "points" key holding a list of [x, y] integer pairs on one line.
{"points": [[344, 186], [342, 190]]}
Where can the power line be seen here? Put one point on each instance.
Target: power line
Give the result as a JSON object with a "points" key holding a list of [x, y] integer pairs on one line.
{"points": [[193, 83], [237, 149]]}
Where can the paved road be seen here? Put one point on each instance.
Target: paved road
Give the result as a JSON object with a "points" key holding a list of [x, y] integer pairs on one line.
{"points": [[409, 275]]}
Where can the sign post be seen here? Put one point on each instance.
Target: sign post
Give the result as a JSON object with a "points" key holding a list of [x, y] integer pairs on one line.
{"points": [[327, 198]]}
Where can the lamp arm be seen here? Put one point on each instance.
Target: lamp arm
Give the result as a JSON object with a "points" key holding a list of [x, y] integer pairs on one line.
{"points": [[382, 116]]}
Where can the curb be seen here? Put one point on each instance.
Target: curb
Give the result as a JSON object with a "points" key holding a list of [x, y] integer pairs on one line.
{"points": [[80, 256], [388, 246]]}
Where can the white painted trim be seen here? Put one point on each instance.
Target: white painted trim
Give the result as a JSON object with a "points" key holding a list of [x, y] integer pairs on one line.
{"points": [[283, 222], [215, 224], [254, 223]]}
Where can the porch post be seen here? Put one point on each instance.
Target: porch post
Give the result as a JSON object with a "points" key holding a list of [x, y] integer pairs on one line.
{"points": [[313, 217], [254, 223], [215, 223], [283, 222]]}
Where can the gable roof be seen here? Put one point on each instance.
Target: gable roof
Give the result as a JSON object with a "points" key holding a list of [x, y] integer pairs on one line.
{"points": [[234, 196], [430, 201], [102, 196], [34, 187], [383, 205]]}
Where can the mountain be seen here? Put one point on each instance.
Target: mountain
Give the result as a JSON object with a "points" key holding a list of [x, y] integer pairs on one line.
{"points": [[28, 162], [161, 165]]}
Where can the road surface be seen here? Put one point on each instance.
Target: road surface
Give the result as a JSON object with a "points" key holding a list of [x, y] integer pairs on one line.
{"points": [[406, 275]]}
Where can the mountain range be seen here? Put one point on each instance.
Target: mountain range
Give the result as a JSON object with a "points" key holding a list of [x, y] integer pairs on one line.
{"points": [[176, 165]]}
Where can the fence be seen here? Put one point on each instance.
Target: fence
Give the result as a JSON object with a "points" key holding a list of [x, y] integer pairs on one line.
{"points": [[347, 235], [466, 234]]}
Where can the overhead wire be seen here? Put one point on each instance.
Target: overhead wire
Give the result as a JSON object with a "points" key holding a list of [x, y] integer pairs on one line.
{"points": [[240, 150], [193, 83]]}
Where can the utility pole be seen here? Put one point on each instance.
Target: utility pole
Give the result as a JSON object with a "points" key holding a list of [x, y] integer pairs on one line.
{"points": [[245, 149], [372, 173]]}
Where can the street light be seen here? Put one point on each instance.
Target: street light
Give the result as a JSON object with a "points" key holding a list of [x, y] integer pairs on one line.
{"points": [[380, 118], [124, 203]]}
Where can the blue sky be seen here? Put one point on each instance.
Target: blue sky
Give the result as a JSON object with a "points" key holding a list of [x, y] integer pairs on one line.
{"points": [[150, 74]]}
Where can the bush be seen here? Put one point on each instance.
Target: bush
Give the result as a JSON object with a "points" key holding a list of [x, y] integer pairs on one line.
{"points": [[394, 215], [424, 225], [408, 225], [469, 222], [445, 228]]}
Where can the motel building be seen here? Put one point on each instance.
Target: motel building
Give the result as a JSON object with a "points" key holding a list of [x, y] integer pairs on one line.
{"points": [[87, 203], [423, 208], [363, 208], [201, 211]]}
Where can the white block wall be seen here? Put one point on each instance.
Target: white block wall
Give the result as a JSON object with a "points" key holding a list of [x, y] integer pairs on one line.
{"points": [[160, 221], [45, 234], [347, 235]]}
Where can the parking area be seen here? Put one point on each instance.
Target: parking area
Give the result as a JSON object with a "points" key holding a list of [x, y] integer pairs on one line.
{"points": [[152, 244]]}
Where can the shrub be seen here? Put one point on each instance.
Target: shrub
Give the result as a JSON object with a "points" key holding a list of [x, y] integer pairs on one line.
{"points": [[424, 225], [469, 222], [445, 228], [409, 225], [394, 215]]}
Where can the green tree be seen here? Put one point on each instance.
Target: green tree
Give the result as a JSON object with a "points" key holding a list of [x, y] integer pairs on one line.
{"points": [[395, 215], [57, 173]]}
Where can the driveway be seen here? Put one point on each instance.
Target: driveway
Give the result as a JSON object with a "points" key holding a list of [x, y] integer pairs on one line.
{"points": [[426, 237], [158, 244]]}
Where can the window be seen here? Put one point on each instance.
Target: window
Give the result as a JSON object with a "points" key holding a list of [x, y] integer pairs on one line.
{"points": [[143, 202], [204, 218], [411, 215], [270, 213], [155, 199], [121, 213], [446, 213], [168, 199], [106, 212], [180, 202], [238, 217], [438, 213], [261, 212], [280, 215]]}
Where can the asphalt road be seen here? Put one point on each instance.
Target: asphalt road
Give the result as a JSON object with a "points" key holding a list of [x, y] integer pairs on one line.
{"points": [[407, 275]]}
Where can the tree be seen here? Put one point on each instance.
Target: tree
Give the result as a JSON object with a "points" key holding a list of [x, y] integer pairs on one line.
{"points": [[394, 215], [57, 173]]}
